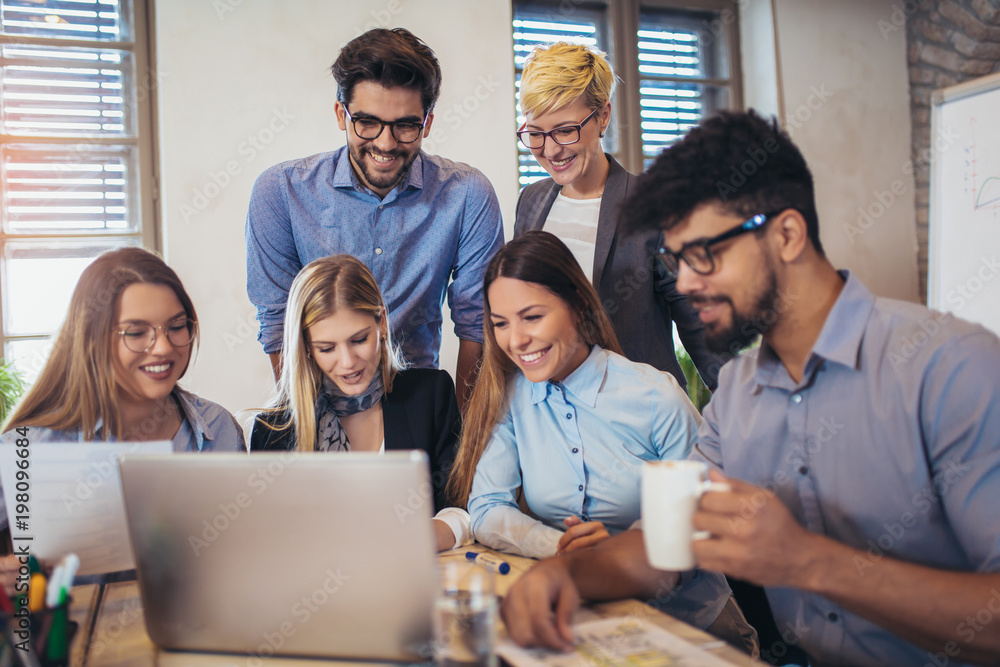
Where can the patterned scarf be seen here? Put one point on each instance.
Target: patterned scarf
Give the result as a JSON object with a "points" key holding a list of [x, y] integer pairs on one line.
{"points": [[332, 404]]}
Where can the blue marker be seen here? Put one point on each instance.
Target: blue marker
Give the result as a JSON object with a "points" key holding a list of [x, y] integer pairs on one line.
{"points": [[491, 563]]}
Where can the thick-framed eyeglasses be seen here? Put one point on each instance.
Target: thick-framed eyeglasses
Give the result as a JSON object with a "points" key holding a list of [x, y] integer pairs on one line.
{"points": [[698, 254], [564, 136], [141, 336], [403, 131]]}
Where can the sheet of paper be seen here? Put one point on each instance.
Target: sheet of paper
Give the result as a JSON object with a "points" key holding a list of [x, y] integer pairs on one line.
{"points": [[610, 642], [74, 501]]}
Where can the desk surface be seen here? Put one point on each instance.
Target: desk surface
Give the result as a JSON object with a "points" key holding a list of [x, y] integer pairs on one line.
{"points": [[119, 637]]}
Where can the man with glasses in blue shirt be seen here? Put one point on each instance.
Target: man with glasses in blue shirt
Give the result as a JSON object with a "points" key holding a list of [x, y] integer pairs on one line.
{"points": [[424, 225], [861, 439]]}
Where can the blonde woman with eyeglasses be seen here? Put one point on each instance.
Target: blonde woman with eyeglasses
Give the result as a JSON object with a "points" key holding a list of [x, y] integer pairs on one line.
{"points": [[565, 98], [112, 375]]}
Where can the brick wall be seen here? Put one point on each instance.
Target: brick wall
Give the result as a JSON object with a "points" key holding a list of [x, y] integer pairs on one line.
{"points": [[950, 41]]}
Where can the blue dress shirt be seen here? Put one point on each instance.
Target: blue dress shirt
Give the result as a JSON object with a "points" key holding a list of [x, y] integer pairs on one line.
{"points": [[889, 444], [441, 223], [577, 448], [206, 427]]}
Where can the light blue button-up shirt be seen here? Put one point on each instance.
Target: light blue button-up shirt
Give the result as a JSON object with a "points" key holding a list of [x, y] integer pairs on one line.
{"points": [[441, 223], [577, 448], [206, 427], [890, 444]]}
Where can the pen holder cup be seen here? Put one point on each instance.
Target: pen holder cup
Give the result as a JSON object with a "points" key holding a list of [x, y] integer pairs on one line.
{"points": [[47, 634]]}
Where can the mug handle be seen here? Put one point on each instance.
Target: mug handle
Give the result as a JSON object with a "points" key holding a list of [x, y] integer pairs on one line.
{"points": [[703, 487]]}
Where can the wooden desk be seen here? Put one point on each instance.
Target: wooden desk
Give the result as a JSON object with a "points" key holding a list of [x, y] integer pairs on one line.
{"points": [[120, 638]]}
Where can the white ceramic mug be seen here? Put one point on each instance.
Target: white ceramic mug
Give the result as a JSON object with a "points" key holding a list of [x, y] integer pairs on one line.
{"points": [[670, 493]]}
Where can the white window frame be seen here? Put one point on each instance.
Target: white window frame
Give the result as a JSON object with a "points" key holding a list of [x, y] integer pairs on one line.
{"points": [[143, 190]]}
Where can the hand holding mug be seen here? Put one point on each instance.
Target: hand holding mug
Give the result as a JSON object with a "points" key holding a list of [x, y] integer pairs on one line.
{"points": [[670, 494]]}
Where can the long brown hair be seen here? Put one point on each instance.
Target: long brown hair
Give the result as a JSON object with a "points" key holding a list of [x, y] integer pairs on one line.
{"points": [[540, 258], [77, 386], [321, 289]]}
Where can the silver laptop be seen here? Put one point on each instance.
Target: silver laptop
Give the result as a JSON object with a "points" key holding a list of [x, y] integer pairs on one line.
{"points": [[306, 554]]}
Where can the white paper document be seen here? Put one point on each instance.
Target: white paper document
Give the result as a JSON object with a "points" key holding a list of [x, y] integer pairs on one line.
{"points": [[68, 499], [610, 642]]}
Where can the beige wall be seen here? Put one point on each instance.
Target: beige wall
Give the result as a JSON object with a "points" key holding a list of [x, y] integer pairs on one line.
{"points": [[245, 84], [846, 104]]}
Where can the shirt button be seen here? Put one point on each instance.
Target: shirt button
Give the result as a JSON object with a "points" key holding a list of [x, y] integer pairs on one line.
{"points": [[575, 450], [797, 398], [381, 206], [580, 487], [803, 470], [378, 251], [833, 616], [569, 415]]}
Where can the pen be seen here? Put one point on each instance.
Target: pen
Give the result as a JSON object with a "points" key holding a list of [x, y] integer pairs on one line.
{"points": [[491, 563], [36, 592]]}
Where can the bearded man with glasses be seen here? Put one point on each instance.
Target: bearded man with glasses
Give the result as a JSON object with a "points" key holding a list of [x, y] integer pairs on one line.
{"points": [[425, 226], [860, 440]]}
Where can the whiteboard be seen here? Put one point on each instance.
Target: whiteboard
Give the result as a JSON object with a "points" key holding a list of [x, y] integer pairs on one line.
{"points": [[964, 242]]}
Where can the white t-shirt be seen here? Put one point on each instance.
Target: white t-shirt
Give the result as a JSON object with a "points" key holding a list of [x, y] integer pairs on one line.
{"points": [[574, 221]]}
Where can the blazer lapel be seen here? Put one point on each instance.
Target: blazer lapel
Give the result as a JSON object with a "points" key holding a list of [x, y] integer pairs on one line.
{"points": [[615, 190]]}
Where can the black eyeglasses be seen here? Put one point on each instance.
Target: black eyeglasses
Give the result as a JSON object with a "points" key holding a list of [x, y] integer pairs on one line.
{"points": [[403, 131], [141, 336], [564, 136], [697, 254]]}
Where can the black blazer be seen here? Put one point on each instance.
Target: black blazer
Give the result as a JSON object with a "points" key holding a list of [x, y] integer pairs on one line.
{"points": [[638, 296], [421, 412]]}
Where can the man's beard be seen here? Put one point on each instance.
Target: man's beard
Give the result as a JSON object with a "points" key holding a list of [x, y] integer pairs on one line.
{"points": [[379, 180], [745, 327]]}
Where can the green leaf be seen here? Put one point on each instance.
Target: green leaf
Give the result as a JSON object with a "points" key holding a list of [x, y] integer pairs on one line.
{"points": [[11, 388]]}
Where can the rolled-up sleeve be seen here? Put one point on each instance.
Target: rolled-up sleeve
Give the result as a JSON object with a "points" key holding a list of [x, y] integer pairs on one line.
{"points": [[272, 258], [481, 238], [497, 521]]}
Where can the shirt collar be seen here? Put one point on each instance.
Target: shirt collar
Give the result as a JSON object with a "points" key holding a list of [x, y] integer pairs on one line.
{"points": [[344, 176], [584, 383], [202, 431], [840, 338]]}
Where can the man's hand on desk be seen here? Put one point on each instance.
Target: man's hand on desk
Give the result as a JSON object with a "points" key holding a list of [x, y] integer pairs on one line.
{"points": [[538, 609]]}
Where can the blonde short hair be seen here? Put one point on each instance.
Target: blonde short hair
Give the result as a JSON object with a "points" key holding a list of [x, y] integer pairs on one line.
{"points": [[558, 74]]}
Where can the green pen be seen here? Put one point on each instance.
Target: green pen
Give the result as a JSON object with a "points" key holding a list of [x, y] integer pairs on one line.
{"points": [[57, 649]]}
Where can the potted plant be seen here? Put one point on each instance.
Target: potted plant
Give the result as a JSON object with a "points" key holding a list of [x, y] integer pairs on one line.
{"points": [[11, 388]]}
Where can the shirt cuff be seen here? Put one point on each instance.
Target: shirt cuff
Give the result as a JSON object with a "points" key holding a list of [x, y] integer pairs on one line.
{"points": [[460, 523]]}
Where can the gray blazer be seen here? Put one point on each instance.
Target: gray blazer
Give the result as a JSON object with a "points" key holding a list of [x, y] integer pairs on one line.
{"points": [[637, 295]]}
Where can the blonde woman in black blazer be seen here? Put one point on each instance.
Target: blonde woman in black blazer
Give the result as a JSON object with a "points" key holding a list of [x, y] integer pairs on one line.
{"points": [[565, 98]]}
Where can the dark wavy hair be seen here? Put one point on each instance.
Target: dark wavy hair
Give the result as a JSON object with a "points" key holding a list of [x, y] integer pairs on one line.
{"points": [[736, 159], [390, 58]]}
